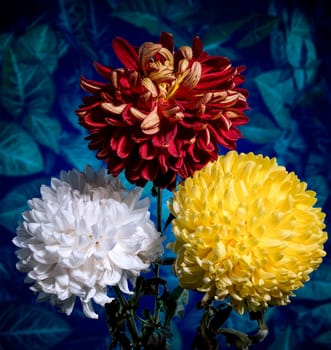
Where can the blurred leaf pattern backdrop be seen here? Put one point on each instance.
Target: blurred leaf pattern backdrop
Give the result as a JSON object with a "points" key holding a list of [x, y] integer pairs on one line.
{"points": [[45, 46]]}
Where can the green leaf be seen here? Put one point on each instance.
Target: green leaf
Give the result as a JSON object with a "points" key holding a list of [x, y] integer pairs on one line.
{"points": [[4, 272], [300, 78], [278, 92], [221, 314], [258, 29], [225, 51], [315, 321], [157, 16], [44, 129], [175, 303], [72, 19], [166, 261], [222, 32], [72, 16], [19, 154], [145, 20], [5, 40], [75, 150], [284, 341], [291, 145], [96, 33], [260, 129], [181, 303], [25, 83], [15, 202], [167, 10], [278, 47], [236, 321], [41, 42], [68, 102], [305, 76], [316, 163], [175, 341], [299, 45], [237, 338], [319, 184], [25, 326], [184, 16], [319, 285], [258, 134], [323, 339], [300, 50], [313, 288]]}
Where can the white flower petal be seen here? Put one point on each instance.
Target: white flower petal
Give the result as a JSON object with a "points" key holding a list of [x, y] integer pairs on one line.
{"points": [[126, 261], [89, 311], [124, 286], [84, 234], [102, 299], [68, 305]]}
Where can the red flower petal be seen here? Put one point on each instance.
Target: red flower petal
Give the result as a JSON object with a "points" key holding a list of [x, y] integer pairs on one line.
{"points": [[165, 113], [150, 170], [203, 141], [126, 53], [91, 85], [121, 144], [90, 120], [103, 70], [146, 151], [167, 41], [197, 47], [163, 163], [218, 135], [115, 166]]}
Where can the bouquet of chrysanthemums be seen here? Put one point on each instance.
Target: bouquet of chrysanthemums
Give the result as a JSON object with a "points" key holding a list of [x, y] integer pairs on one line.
{"points": [[245, 231]]}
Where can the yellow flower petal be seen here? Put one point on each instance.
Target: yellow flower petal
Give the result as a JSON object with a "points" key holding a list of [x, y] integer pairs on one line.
{"points": [[246, 230]]}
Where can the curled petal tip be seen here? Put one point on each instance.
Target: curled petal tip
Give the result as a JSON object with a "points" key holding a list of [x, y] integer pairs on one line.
{"points": [[167, 41], [91, 86], [126, 53], [197, 47], [102, 70], [150, 124], [193, 77]]}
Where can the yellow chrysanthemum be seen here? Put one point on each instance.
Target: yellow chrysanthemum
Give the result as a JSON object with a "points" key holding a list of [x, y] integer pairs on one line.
{"points": [[246, 230]]}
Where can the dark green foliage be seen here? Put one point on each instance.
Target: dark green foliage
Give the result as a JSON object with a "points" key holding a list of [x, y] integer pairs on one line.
{"points": [[74, 150], [19, 154], [28, 93], [261, 129], [149, 327], [26, 83], [277, 91], [158, 16], [25, 326], [257, 28], [14, 203]]}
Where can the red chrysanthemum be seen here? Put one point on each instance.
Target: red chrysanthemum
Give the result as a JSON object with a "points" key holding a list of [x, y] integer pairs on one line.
{"points": [[164, 113]]}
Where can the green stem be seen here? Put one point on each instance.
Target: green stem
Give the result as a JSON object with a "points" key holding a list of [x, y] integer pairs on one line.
{"points": [[157, 266], [159, 209], [129, 318]]}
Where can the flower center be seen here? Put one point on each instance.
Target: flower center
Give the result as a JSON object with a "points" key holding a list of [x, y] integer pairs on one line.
{"points": [[161, 77]]}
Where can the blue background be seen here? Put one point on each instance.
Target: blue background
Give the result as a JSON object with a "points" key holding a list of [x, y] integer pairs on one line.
{"points": [[44, 48]]}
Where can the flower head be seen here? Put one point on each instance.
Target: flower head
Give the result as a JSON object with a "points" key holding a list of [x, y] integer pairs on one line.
{"points": [[84, 234], [246, 230], [164, 113]]}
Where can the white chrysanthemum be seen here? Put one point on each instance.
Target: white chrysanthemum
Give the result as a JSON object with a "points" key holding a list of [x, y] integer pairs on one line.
{"points": [[85, 233]]}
